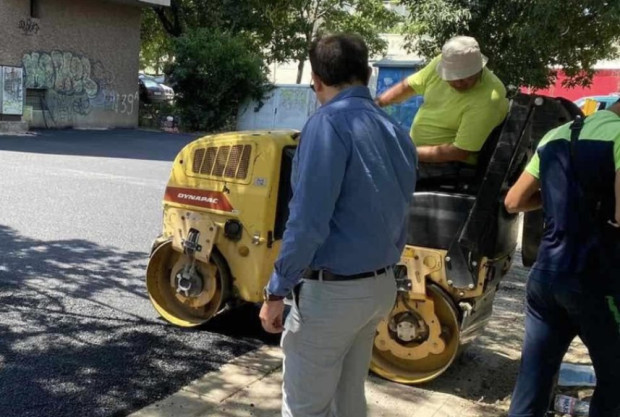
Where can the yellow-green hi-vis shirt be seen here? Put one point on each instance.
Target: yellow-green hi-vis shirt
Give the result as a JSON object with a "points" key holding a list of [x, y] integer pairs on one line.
{"points": [[447, 116]]}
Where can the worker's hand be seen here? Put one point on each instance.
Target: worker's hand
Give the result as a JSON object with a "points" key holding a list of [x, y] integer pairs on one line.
{"points": [[271, 315], [378, 101]]}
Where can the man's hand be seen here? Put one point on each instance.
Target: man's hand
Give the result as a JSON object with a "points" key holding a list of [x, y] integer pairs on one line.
{"points": [[271, 315]]}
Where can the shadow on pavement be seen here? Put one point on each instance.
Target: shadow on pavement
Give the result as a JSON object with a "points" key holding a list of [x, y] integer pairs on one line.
{"points": [[118, 143], [78, 336]]}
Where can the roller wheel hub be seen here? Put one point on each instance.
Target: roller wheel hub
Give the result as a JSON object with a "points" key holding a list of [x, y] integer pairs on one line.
{"points": [[189, 282], [419, 339], [195, 285], [183, 292], [408, 327]]}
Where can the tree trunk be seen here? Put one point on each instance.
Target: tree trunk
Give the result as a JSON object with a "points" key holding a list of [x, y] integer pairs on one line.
{"points": [[172, 25], [300, 69]]}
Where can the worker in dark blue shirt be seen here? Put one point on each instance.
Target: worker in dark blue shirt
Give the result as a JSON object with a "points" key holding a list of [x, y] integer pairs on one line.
{"points": [[353, 178], [574, 286]]}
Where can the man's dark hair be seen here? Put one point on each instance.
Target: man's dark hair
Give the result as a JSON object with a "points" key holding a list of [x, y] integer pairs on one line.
{"points": [[340, 59]]}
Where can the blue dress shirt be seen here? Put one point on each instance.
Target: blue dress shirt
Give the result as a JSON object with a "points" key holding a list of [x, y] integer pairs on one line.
{"points": [[353, 178]]}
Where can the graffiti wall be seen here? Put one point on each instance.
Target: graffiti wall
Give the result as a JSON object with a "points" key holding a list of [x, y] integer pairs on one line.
{"points": [[80, 61], [75, 86], [29, 27]]}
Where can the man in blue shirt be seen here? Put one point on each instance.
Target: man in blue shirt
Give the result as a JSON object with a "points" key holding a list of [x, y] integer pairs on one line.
{"points": [[353, 179]]}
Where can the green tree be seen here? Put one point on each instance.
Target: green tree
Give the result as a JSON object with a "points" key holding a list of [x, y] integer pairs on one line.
{"points": [[298, 24], [214, 72], [161, 25], [156, 49], [232, 15], [526, 40], [281, 29]]}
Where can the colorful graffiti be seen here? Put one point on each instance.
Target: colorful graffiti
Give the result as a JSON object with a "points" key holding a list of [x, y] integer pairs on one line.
{"points": [[62, 72], [76, 85]]}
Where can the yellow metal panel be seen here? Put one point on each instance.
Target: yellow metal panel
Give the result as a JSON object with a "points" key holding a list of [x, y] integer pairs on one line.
{"points": [[180, 222], [430, 264], [590, 106], [252, 201]]}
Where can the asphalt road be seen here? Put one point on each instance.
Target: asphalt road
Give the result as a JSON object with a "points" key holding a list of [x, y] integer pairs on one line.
{"points": [[78, 336]]}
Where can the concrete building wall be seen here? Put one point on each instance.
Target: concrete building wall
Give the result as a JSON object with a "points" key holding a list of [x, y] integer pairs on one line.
{"points": [[80, 60]]}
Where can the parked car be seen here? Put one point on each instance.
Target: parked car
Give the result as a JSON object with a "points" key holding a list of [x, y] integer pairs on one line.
{"points": [[591, 104], [152, 91]]}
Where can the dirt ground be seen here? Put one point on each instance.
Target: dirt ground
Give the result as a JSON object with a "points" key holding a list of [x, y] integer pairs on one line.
{"points": [[487, 369]]}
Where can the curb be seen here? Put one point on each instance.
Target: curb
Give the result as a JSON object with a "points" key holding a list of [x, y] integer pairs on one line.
{"points": [[211, 390], [250, 385]]}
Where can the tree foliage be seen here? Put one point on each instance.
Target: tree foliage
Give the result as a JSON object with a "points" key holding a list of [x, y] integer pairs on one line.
{"points": [[161, 25], [297, 24], [156, 48], [281, 29], [214, 72], [526, 40]]}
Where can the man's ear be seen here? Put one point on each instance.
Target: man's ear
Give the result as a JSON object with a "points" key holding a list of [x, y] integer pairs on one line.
{"points": [[318, 84]]}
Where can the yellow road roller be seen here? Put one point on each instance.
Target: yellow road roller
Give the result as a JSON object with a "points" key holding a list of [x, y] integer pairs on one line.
{"points": [[225, 210]]}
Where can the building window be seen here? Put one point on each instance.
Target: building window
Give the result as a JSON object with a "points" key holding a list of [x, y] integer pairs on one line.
{"points": [[34, 9]]}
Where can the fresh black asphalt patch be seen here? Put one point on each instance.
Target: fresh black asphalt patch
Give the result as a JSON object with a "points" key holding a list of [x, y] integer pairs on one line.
{"points": [[78, 335]]}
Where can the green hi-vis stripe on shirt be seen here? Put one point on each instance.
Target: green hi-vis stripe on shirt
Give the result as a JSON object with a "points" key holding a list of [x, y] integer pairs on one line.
{"points": [[604, 125], [614, 309]]}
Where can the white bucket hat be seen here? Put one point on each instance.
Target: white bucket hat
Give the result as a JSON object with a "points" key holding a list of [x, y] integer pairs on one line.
{"points": [[460, 58]]}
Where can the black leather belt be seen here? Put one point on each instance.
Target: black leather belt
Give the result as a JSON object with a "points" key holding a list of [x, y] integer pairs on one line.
{"points": [[328, 276]]}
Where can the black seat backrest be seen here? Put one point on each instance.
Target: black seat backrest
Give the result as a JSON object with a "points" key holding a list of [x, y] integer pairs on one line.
{"points": [[285, 192], [484, 156], [469, 177]]}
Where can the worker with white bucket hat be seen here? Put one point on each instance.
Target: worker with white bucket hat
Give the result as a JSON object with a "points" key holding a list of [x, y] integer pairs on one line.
{"points": [[463, 102]]}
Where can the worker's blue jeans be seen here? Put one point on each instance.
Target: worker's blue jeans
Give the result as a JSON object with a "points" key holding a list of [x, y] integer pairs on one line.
{"points": [[555, 314]]}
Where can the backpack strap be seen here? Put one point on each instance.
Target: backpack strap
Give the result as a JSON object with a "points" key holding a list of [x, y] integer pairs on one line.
{"points": [[595, 201], [575, 131]]}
